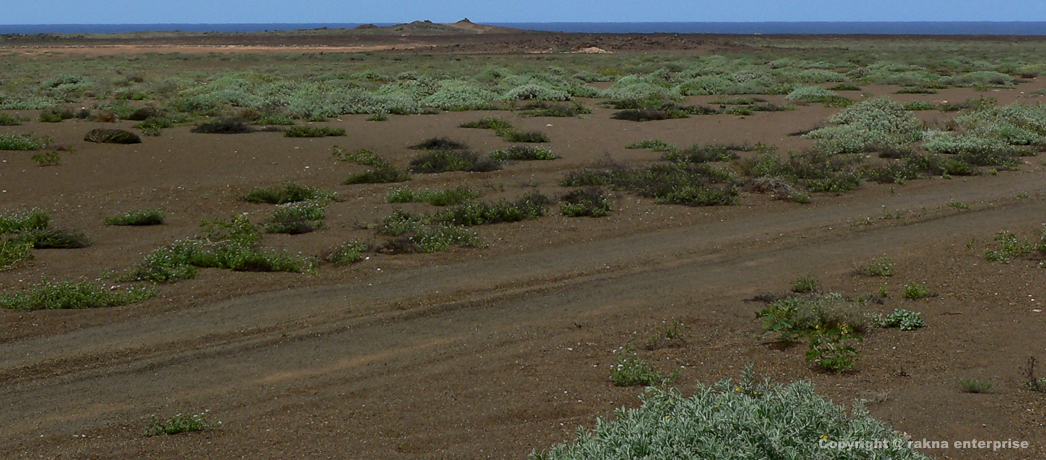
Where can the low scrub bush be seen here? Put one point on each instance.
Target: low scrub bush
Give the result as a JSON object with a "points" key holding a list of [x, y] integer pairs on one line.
{"points": [[1011, 245], [881, 267], [16, 222], [833, 350], [56, 238], [181, 423], [154, 126], [296, 218], [435, 198], [225, 126], [64, 295], [656, 145], [533, 137], [112, 136], [733, 420], [419, 234], [915, 291], [805, 284], [230, 245], [137, 218], [8, 120], [591, 202], [313, 131], [668, 184], [795, 316], [22, 142], [523, 153], [712, 152], [346, 254], [530, 206], [975, 385], [631, 370], [488, 123], [439, 143], [905, 320], [286, 193], [544, 109], [14, 253], [453, 160], [47, 159]]}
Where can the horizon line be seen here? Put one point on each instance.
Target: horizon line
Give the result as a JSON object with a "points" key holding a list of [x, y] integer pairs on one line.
{"points": [[520, 22]]}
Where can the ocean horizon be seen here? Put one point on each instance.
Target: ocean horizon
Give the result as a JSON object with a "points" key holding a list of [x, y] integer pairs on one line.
{"points": [[742, 28]]}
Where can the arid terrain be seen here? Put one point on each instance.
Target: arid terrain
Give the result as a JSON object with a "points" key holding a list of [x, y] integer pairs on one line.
{"points": [[498, 350]]}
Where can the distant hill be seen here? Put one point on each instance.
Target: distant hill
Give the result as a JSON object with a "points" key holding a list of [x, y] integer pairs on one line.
{"points": [[432, 28]]}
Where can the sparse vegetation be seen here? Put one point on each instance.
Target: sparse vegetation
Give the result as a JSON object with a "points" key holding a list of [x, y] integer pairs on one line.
{"points": [[881, 267], [530, 206], [64, 295], [453, 160], [47, 159], [805, 284], [14, 253], [915, 291], [286, 193], [497, 124], [974, 385], [137, 218], [112, 136], [297, 217], [22, 142], [8, 120], [439, 143], [55, 238], [656, 145], [225, 126], [313, 131], [833, 350], [435, 198], [181, 423], [347, 253], [905, 320], [533, 137], [589, 202], [631, 370], [523, 153]]}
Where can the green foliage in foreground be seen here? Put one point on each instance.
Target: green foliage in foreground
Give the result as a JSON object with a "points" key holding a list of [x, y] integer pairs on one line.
{"points": [[346, 254], [14, 253], [906, 320], [180, 423], [69, 295], [47, 159], [735, 420], [33, 219], [591, 202]]}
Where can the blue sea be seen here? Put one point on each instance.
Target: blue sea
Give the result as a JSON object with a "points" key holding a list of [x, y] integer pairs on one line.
{"points": [[744, 28]]}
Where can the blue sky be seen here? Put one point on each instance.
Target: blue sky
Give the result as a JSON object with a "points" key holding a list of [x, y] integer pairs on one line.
{"points": [[395, 11]]}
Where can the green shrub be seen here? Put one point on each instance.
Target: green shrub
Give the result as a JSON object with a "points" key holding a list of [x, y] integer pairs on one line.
{"points": [[906, 320], [69, 295], [52, 116], [656, 145], [112, 136], [230, 245], [881, 267], [48, 159], [815, 94], [313, 131], [1010, 245], [275, 120], [453, 160], [833, 350], [591, 202], [33, 219], [667, 184], [488, 123], [435, 198], [631, 370], [346, 254], [646, 115], [55, 238], [137, 218], [287, 193], [8, 120], [154, 125], [975, 385], [296, 218], [418, 234], [225, 126], [805, 284], [916, 291], [530, 206], [523, 153], [181, 424], [378, 117], [916, 90], [383, 173], [439, 143], [711, 152], [794, 316], [734, 420], [22, 142], [532, 137], [543, 109], [14, 253]]}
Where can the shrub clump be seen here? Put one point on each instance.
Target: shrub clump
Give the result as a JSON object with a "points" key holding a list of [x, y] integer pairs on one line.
{"points": [[523, 153], [137, 218], [14, 253], [533, 137], [55, 238], [590, 202], [488, 123], [313, 131], [22, 142], [346, 254], [181, 423], [69, 295], [435, 198], [530, 206], [439, 143], [225, 126], [688, 185], [112, 136], [383, 172], [286, 193], [906, 320], [296, 218], [419, 234], [743, 419], [453, 160]]}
